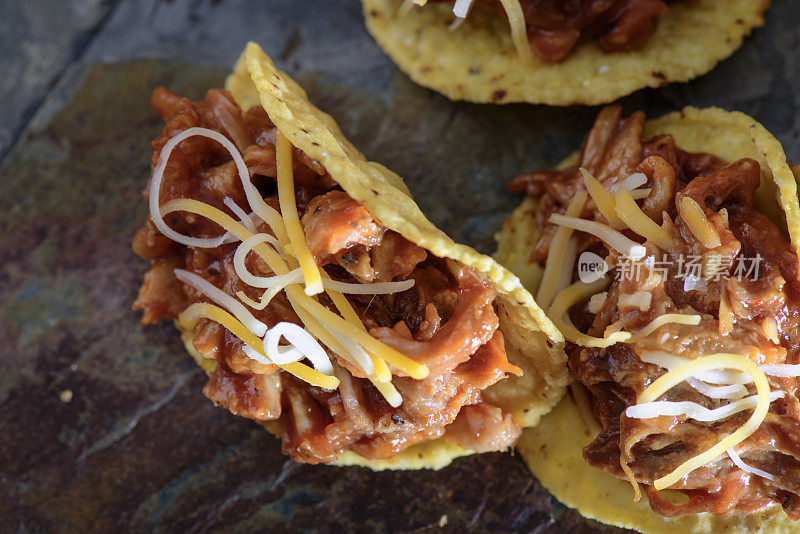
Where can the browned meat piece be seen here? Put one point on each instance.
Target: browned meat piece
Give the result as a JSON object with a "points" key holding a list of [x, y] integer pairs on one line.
{"points": [[161, 296], [473, 324], [255, 396], [335, 222]]}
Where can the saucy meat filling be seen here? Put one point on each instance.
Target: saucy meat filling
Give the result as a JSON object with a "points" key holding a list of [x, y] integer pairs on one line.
{"points": [[556, 27], [446, 320], [752, 315]]}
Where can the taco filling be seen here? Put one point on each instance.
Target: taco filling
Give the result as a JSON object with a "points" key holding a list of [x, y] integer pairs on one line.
{"points": [[680, 302], [553, 27], [305, 310]]}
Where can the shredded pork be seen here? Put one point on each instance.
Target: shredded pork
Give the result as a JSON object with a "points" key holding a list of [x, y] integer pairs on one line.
{"points": [[556, 27], [446, 320], [615, 376]]}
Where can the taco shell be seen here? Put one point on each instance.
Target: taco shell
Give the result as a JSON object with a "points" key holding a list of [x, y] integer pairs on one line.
{"points": [[532, 341], [553, 450], [477, 62]]}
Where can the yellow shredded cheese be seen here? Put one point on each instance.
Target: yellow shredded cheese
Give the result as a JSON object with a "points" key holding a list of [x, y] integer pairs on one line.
{"points": [[571, 296], [725, 313], [283, 155], [389, 392], [692, 214], [603, 199], [404, 363], [770, 328], [519, 31], [189, 318], [661, 320], [633, 216], [707, 363], [381, 373], [555, 266], [297, 297]]}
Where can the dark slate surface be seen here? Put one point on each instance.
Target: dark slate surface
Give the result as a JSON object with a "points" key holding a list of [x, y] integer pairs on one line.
{"points": [[138, 447]]}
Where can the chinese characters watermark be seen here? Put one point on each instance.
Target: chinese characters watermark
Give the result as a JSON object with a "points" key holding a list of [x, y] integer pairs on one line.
{"points": [[692, 268]]}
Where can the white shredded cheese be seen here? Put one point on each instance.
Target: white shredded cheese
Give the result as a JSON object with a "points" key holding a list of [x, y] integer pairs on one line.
{"points": [[301, 341], [223, 299], [737, 460], [693, 410]]}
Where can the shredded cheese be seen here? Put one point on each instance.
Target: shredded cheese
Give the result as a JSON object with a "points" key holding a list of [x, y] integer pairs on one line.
{"points": [[380, 368], [345, 336], [603, 199], [405, 8], [639, 194], [223, 299], [770, 328], [568, 298], [697, 222], [302, 343], [555, 265], [639, 300], [734, 456], [267, 213], [279, 284], [783, 370], [404, 363], [283, 154], [519, 31], [189, 318], [244, 218], [732, 391], [670, 361], [693, 410], [725, 314], [661, 320], [368, 288], [633, 216], [241, 253], [461, 8], [568, 267], [633, 181], [597, 302], [705, 363], [296, 295], [605, 233], [389, 393]]}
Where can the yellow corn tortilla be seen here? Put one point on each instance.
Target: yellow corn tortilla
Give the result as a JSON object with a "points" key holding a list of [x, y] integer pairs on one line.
{"points": [[553, 450], [477, 62], [532, 341]]}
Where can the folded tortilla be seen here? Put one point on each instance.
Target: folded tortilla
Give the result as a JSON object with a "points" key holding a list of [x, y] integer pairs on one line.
{"points": [[553, 450], [477, 62], [532, 342]]}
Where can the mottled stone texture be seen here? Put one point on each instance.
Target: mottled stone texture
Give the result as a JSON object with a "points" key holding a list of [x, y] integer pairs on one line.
{"points": [[138, 447]]}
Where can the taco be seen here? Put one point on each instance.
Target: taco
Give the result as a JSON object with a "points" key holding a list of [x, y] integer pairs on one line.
{"points": [[666, 253], [556, 52], [321, 302]]}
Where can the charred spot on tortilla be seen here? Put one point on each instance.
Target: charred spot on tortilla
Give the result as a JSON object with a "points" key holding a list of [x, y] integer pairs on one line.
{"points": [[319, 299], [686, 376], [558, 53]]}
